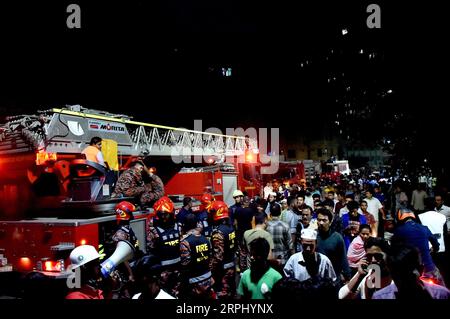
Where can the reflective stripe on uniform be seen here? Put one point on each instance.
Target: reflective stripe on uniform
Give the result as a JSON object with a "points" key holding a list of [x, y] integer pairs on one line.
{"points": [[228, 265], [200, 278], [170, 262]]}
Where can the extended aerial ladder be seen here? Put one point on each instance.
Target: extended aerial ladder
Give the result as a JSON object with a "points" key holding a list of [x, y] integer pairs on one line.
{"points": [[67, 130]]}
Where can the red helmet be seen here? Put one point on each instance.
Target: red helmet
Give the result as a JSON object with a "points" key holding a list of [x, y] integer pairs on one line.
{"points": [[207, 200], [124, 211], [219, 210], [164, 204]]}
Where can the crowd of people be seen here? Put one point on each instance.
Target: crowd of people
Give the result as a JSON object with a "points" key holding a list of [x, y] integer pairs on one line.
{"points": [[352, 239]]}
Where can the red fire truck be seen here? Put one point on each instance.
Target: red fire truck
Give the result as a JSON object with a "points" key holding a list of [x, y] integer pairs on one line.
{"points": [[54, 200]]}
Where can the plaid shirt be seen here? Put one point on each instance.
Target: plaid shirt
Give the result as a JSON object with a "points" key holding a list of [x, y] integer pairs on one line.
{"points": [[282, 239]]}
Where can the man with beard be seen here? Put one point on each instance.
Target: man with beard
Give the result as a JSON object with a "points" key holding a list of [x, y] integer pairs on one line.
{"points": [[364, 282], [163, 240], [331, 244], [257, 282], [309, 263]]}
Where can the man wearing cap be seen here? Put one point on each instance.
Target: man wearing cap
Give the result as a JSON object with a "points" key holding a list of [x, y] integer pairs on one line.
{"points": [[85, 262], [309, 263], [238, 196], [414, 234]]}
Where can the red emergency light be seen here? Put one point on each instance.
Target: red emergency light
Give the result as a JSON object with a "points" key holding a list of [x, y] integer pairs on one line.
{"points": [[25, 263], [83, 242], [43, 157], [51, 265]]}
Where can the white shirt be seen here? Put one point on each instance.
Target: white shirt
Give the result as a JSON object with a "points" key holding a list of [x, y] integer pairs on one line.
{"points": [[299, 272], [435, 223], [162, 295], [418, 199], [445, 210], [267, 190], [373, 207]]}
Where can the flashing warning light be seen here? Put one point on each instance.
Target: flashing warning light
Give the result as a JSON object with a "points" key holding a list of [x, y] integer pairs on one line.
{"points": [[51, 265], [43, 157], [430, 281], [83, 242], [25, 263], [210, 160], [250, 157]]}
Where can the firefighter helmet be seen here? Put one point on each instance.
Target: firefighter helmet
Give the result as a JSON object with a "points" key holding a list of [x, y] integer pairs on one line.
{"points": [[164, 204], [219, 210], [404, 213], [124, 211], [207, 200], [83, 254]]}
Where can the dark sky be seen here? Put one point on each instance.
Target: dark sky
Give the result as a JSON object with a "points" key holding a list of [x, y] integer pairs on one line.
{"points": [[160, 60]]}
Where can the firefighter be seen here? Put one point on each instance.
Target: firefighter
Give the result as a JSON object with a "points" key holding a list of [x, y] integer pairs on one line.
{"points": [[238, 196], [195, 252], [224, 250], [86, 265], [203, 216], [124, 215], [163, 240], [131, 184]]}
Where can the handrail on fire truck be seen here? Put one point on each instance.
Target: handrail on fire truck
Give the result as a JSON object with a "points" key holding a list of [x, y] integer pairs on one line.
{"points": [[43, 131]]}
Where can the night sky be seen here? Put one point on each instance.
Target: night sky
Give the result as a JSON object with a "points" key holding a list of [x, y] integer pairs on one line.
{"points": [[160, 60]]}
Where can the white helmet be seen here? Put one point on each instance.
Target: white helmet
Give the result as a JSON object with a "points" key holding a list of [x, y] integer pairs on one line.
{"points": [[237, 193], [82, 255]]}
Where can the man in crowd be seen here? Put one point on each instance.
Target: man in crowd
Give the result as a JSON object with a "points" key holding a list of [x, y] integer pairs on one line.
{"points": [[258, 232], [412, 233], [405, 266], [281, 235], [375, 208], [309, 263], [365, 282], [257, 282], [442, 209], [331, 244]]}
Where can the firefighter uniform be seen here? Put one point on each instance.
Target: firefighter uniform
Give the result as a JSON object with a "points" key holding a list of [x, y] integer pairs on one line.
{"points": [[131, 184], [153, 191], [165, 243], [127, 234], [204, 223], [195, 252], [222, 263]]}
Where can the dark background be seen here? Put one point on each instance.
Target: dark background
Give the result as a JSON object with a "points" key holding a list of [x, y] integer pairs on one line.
{"points": [[160, 62]]}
